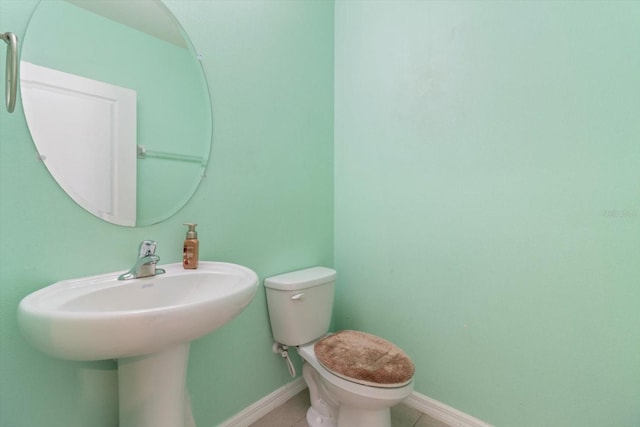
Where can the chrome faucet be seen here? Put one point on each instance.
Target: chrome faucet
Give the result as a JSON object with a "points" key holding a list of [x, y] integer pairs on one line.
{"points": [[146, 264]]}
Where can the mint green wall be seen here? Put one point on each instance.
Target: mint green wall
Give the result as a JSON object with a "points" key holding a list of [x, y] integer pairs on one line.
{"points": [[267, 203], [487, 206]]}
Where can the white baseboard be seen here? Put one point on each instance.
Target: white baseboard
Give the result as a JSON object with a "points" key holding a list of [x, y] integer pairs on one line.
{"points": [[418, 401], [262, 407], [442, 412]]}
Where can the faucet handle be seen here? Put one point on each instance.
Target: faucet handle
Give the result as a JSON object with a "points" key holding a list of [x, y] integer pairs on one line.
{"points": [[147, 248]]}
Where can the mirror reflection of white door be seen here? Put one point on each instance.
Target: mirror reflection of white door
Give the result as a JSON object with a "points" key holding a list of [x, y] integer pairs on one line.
{"points": [[85, 132]]}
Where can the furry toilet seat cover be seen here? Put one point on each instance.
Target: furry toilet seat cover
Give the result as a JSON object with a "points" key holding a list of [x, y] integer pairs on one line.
{"points": [[365, 359]]}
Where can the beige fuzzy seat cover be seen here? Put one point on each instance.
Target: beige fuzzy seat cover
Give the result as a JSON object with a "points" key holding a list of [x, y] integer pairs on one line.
{"points": [[364, 358]]}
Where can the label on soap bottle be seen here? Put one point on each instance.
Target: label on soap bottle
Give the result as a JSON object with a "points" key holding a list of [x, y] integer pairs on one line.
{"points": [[189, 257]]}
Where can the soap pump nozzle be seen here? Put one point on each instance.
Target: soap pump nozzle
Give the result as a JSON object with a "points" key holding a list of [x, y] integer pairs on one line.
{"points": [[191, 233]]}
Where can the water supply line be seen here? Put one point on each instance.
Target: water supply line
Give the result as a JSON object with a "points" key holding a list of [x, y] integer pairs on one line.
{"points": [[283, 351], [11, 86]]}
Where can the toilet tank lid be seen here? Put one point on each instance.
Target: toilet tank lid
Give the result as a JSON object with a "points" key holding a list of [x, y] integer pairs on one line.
{"points": [[301, 279]]}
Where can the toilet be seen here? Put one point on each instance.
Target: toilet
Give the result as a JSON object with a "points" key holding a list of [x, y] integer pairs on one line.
{"points": [[354, 378]]}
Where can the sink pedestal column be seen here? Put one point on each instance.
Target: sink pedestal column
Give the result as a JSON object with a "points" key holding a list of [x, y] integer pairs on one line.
{"points": [[152, 388]]}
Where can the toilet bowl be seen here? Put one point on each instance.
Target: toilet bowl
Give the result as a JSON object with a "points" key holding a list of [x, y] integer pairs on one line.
{"points": [[345, 403], [356, 394]]}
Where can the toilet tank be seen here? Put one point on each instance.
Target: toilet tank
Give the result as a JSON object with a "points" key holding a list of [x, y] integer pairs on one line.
{"points": [[300, 304]]}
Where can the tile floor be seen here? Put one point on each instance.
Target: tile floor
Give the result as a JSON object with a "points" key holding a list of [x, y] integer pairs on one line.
{"points": [[293, 412]]}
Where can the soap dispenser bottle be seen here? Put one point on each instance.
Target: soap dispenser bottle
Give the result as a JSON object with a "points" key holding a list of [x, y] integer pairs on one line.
{"points": [[190, 249]]}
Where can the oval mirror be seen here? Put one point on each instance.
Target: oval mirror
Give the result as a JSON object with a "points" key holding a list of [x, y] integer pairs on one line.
{"points": [[117, 105]]}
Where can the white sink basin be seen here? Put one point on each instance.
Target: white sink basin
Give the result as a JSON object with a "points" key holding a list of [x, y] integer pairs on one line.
{"points": [[101, 317]]}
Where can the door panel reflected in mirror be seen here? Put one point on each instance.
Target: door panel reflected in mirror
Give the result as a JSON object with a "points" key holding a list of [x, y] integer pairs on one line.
{"points": [[120, 117]]}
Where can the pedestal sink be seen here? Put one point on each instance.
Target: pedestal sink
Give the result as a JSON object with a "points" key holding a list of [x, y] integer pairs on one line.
{"points": [[146, 324]]}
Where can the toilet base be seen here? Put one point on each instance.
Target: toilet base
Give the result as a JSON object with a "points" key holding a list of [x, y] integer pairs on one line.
{"points": [[315, 419], [351, 417], [356, 417]]}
